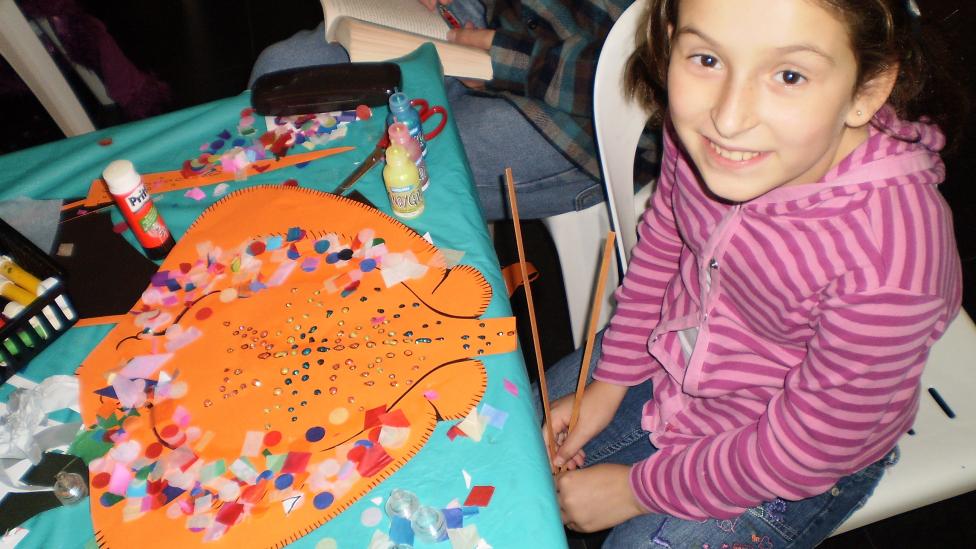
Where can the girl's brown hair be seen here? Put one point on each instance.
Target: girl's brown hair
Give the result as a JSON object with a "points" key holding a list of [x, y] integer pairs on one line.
{"points": [[882, 33]]}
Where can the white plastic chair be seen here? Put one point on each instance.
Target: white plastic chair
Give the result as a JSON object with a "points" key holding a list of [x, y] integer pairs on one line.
{"points": [[938, 461], [27, 55], [578, 237], [618, 122]]}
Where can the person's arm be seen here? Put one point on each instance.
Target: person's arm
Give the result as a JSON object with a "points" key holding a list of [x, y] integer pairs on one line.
{"points": [[653, 264], [553, 66], [846, 405]]}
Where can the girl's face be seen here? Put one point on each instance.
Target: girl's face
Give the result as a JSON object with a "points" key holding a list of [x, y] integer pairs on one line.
{"points": [[762, 93]]}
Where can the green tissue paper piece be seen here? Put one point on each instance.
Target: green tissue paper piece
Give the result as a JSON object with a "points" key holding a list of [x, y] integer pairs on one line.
{"points": [[275, 461], [212, 471], [111, 422], [89, 445], [143, 474]]}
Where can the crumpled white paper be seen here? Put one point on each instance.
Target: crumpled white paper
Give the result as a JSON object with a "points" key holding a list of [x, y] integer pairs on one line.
{"points": [[25, 430]]}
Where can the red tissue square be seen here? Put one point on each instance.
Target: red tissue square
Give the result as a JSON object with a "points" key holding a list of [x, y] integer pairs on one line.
{"points": [[373, 461], [480, 496], [395, 418], [296, 462], [229, 512], [373, 416]]}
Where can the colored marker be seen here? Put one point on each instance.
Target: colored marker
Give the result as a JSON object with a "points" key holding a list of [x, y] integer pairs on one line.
{"points": [[11, 349], [13, 292], [17, 275], [23, 297], [11, 344], [61, 302], [12, 310]]}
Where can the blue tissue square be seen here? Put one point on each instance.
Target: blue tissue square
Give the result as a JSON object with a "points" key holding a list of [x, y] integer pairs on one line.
{"points": [[400, 531]]}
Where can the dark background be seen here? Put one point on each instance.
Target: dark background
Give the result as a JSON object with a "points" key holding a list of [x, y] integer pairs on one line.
{"points": [[204, 50]]}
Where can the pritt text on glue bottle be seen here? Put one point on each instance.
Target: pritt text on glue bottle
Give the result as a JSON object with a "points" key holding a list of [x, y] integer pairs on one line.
{"points": [[402, 111], [136, 205], [403, 183], [400, 135]]}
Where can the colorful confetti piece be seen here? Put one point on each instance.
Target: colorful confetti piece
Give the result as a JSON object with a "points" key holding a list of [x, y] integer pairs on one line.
{"points": [[195, 193], [511, 387], [371, 517], [480, 496]]}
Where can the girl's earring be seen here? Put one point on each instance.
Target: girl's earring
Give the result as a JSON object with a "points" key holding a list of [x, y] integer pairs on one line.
{"points": [[859, 114]]}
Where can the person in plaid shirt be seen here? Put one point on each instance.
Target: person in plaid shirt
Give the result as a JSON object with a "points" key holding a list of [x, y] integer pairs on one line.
{"points": [[534, 116]]}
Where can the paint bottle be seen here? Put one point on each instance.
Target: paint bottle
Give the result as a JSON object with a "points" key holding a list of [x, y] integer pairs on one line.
{"points": [[13, 310], [400, 135], [59, 300], [18, 276], [10, 271], [126, 187], [403, 183], [24, 299], [402, 111], [15, 293]]}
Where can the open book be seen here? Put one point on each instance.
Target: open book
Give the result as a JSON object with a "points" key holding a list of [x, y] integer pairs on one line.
{"points": [[377, 30]]}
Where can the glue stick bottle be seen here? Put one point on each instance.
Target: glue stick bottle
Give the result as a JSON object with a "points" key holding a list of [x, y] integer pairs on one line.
{"points": [[403, 183], [400, 135], [402, 111], [126, 187]]}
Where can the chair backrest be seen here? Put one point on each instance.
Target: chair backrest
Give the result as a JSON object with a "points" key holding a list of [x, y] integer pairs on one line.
{"points": [[618, 122], [29, 58]]}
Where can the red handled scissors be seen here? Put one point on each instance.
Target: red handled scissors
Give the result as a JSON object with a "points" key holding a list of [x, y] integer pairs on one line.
{"points": [[425, 111]]}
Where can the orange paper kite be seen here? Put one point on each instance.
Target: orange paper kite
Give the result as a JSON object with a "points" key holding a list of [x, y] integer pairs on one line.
{"points": [[294, 350]]}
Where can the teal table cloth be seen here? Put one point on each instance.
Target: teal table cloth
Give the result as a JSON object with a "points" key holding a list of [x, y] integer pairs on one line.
{"points": [[522, 511]]}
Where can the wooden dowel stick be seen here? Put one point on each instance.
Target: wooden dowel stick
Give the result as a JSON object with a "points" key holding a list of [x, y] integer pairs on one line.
{"points": [[513, 204], [591, 329]]}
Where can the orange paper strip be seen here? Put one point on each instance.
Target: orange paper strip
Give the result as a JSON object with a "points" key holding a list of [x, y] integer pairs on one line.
{"points": [[162, 182]]}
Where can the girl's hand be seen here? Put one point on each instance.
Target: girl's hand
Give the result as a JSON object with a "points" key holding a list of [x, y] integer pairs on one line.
{"points": [[600, 403], [559, 415], [597, 497], [476, 38], [431, 4]]}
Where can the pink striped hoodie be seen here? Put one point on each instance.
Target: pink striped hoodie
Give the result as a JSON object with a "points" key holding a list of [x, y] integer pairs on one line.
{"points": [[784, 336]]}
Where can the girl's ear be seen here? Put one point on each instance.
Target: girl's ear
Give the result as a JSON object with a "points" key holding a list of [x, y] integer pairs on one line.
{"points": [[871, 97]]}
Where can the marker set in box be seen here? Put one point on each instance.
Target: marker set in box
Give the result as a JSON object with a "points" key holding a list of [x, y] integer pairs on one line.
{"points": [[35, 307]]}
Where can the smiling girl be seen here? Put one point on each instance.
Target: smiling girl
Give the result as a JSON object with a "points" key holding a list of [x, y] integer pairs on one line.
{"points": [[795, 266]]}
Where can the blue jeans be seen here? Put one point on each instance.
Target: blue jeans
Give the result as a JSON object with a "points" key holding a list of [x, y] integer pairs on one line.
{"points": [[494, 133], [774, 524]]}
